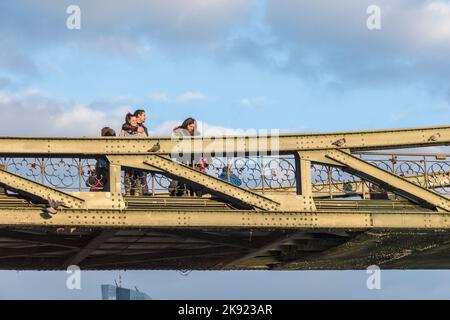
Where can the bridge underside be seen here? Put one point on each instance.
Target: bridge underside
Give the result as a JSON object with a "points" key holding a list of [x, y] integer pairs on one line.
{"points": [[225, 249], [180, 242]]}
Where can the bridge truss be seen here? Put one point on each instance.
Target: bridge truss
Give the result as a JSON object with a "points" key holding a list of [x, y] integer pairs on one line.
{"points": [[342, 200]]}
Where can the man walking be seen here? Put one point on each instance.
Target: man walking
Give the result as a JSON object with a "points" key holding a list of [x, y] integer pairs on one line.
{"points": [[142, 129], [141, 117]]}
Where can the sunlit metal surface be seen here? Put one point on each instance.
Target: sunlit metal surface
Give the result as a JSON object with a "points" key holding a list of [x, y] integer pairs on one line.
{"points": [[326, 201]]}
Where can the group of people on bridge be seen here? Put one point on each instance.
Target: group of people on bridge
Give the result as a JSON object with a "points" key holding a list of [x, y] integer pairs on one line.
{"points": [[136, 179]]}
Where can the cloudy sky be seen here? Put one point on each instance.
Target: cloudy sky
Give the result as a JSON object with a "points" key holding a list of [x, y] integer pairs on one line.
{"points": [[289, 65], [230, 63]]}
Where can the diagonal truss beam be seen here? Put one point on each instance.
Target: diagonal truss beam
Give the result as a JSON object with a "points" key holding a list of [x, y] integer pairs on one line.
{"points": [[126, 259], [216, 185], [90, 247], [22, 185], [438, 180], [272, 242], [397, 184]]}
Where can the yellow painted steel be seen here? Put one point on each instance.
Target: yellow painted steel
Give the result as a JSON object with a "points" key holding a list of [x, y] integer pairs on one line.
{"points": [[16, 182], [354, 140], [227, 219], [401, 185], [296, 210], [212, 183]]}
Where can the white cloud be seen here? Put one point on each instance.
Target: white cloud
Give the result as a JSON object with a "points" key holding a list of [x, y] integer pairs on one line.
{"points": [[434, 23], [159, 97], [252, 101], [191, 96], [29, 113], [164, 129], [188, 96], [84, 118], [209, 130], [129, 29], [171, 21], [398, 116], [329, 43], [205, 129], [405, 24]]}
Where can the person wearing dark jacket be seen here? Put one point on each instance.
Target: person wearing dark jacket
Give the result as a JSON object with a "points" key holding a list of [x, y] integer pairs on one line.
{"points": [[130, 127], [142, 131], [98, 179], [141, 116]]}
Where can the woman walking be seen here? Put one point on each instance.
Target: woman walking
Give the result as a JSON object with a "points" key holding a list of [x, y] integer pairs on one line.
{"points": [[187, 129]]}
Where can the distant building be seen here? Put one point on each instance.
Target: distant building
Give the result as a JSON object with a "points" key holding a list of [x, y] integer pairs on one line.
{"points": [[110, 292]]}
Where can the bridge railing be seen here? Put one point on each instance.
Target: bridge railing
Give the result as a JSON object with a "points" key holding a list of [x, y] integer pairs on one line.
{"points": [[261, 173], [70, 174], [431, 171], [82, 174]]}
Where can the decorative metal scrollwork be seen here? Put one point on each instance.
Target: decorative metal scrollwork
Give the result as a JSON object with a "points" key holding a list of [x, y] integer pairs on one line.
{"points": [[256, 173]]}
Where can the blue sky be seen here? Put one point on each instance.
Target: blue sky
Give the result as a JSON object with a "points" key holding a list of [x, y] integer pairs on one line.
{"points": [[296, 66], [232, 284], [289, 65]]}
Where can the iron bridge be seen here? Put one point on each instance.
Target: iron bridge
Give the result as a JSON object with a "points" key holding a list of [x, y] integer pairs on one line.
{"points": [[341, 200]]}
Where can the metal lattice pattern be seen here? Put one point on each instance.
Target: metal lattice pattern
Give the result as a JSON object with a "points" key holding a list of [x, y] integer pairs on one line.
{"points": [[256, 173], [62, 173], [431, 172], [424, 170]]}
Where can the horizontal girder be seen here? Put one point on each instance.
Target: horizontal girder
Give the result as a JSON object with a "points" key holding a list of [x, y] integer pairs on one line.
{"points": [[242, 219], [354, 140]]}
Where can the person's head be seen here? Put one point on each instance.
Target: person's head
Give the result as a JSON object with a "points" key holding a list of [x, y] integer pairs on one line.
{"points": [[140, 116], [128, 117], [190, 125], [131, 119], [108, 132]]}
